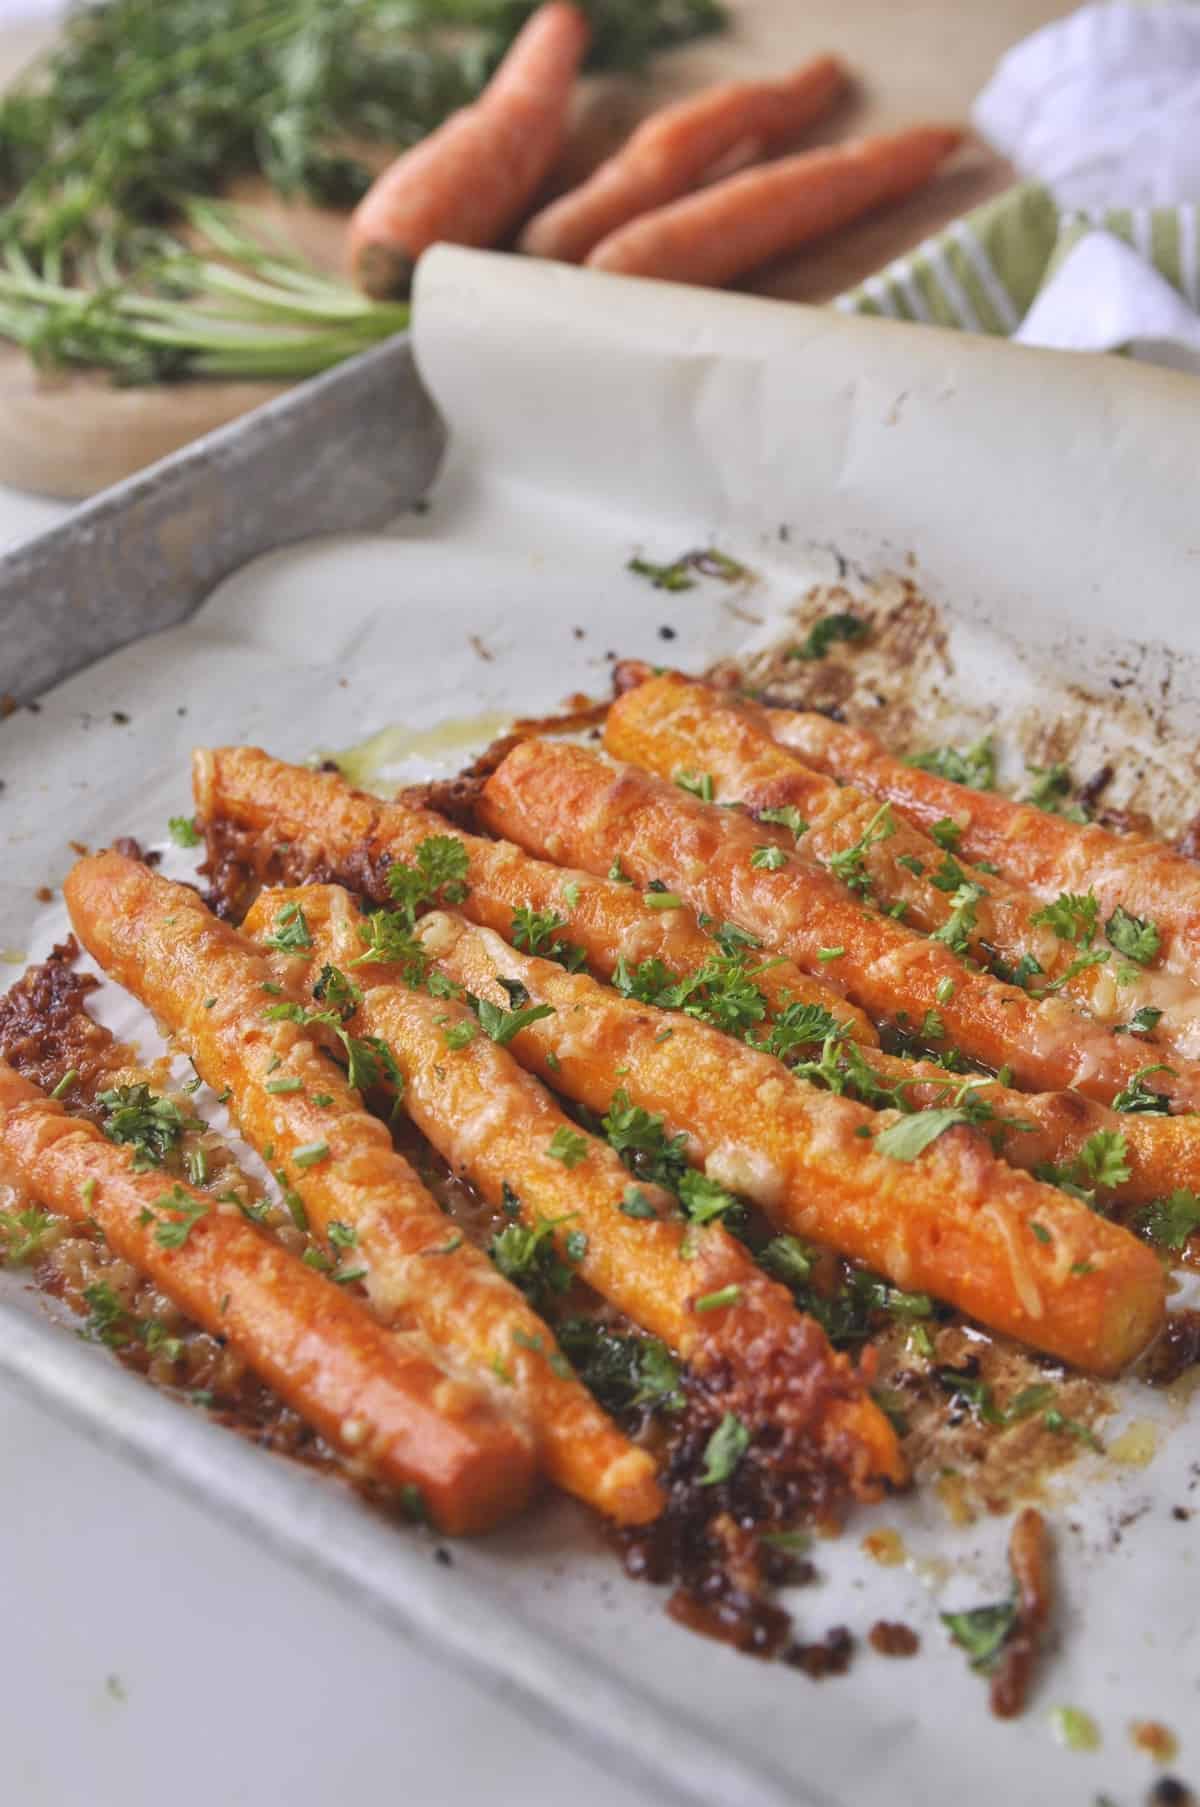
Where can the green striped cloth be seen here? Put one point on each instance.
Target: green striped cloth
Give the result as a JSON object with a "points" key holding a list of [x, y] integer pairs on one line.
{"points": [[983, 273]]}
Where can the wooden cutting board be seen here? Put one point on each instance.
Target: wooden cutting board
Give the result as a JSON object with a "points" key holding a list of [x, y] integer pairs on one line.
{"points": [[912, 59]]}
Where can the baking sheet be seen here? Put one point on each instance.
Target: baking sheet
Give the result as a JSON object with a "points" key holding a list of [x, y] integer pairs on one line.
{"points": [[588, 419]]}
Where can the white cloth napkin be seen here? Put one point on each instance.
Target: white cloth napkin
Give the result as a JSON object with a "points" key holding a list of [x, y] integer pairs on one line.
{"points": [[1104, 108]]}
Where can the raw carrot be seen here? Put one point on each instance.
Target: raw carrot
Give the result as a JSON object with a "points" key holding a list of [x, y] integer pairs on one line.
{"points": [[469, 182], [221, 999], [568, 802], [287, 822], [669, 723], [1045, 852], [380, 1396], [949, 1217], [724, 231], [674, 149], [499, 1127]]}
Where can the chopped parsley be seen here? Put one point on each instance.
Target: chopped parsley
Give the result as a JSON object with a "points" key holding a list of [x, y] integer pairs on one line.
{"points": [[371, 1063], [1050, 790], [183, 831], [1137, 1097], [535, 932], [291, 933], [142, 1120], [459, 1035], [699, 784], [389, 941], [623, 1371], [1071, 1427], [636, 1204], [568, 1146], [1169, 1223], [828, 632], [850, 863], [1143, 1022], [26, 1233], [955, 933], [768, 859], [640, 1139], [724, 1450], [703, 1199], [438, 876], [974, 767], [617, 874], [1136, 937], [787, 816], [799, 1026], [947, 833], [705, 560], [1071, 916], [527, 1255], [911, 1136], [337, 991], [184, 1213], [502, 1025], [983, 1631]]}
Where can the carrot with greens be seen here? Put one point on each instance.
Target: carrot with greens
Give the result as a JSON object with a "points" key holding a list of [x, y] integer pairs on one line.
{"points": [[470, 181], [569, 801], [921, 1199], [248, 1036], [1155, 889], [675, 148], [379, 1396], [676, 726], [725, 231], [502, 1130], [284, 823]]}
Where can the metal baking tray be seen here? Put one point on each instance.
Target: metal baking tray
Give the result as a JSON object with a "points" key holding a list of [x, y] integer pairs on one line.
{"points": [[1035, 500]]}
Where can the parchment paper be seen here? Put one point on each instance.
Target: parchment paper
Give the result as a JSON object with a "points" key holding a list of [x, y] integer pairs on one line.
{"points": [[589, 419]]}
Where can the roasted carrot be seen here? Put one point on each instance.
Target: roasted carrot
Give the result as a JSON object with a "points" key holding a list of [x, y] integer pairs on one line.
{"points": [[675, 148], [499, 1127], [567, 802], [470, 181], [1045, 852], [288, 819], [673, 725], [219, 997], [287, 822], [951, 1218], [380, 1396], [724, 231]]}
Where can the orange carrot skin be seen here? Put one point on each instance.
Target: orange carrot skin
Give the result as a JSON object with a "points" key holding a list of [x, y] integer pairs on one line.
{"points": [[1045, 852], [724, 231], [328, 826], [1022, 1257], [672, 150], [670, 723], [470, 181], [495, 1123], [565, 802], [158, 940], [329, 829], [377, 1395]]}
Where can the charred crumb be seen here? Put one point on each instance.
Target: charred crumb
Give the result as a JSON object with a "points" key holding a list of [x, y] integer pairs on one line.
{"points": [[579, 633], [1177, 1350], [1169, 1791], [666, 632], [45, 1033], [443, 1557], [132, 849], [44, 894], [120, 718], [1182, 1513], [1093, 788], [831, 1656], [889, 1638]]}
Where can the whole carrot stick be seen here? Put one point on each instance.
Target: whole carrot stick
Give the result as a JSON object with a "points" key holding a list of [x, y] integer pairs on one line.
{"points": [[567, 802], [673, 149], [669, 723], [724, 231], [499, 1127], [951, 1219], [469, 182], [1047, 853], [221, 999], [378, 1395], [289, 823]]}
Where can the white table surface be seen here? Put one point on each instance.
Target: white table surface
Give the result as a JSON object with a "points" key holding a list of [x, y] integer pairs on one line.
{"points": [[150, 1654]]}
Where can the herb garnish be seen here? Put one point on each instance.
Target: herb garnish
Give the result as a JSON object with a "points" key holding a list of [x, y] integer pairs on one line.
{"points": [[828, 632], [291, 932], [706, 561], [26, 1234], [1136, 937], [151, 1125], [850, 863], [724, 1450], [976, 767], [1169, 1223], [183, 831], [535, 932], [623, 1371]]}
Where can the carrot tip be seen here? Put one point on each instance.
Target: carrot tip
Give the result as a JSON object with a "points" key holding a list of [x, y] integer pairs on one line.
{"points": [[384, 272]]}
